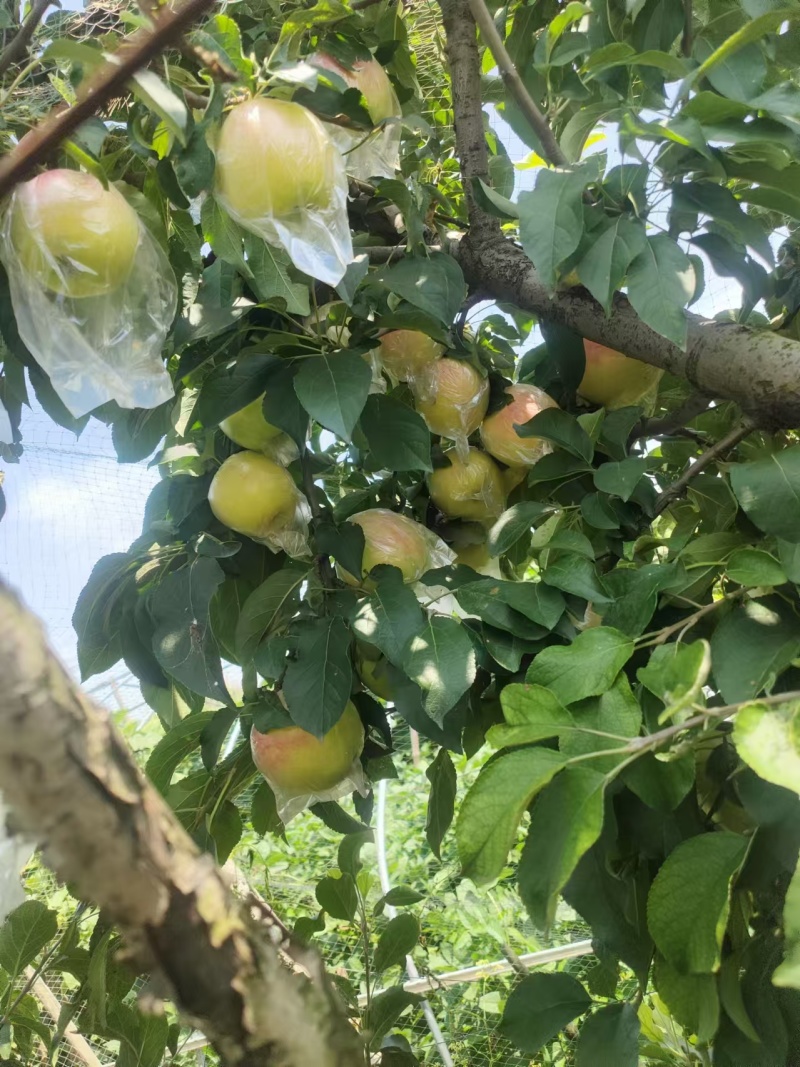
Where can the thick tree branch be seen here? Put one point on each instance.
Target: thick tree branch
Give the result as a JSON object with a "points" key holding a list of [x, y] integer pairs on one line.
{"points": [[551, 149], [109, 81], [16, 48], [708, 457], [71, 782]]}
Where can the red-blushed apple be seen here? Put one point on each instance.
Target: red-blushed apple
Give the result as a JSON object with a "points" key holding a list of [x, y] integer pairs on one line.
{"points": [[371, 666], [248, 427], [501, 439], [371, 80], [300, 764], [470, 488], [616, 381], [392, 539], [406, 353], [273, 159], [253, 495], [452, 397], [73, 236]]}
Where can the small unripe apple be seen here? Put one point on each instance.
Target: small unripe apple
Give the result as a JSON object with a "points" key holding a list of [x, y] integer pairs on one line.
{"points": [[300, 764], [73, 236], [249, 428], [372, 665], [406, 353], [371, 80], [470, 488], [392, 539], [273, 158], [501, 439], [253, 495], [452, 397], [615, 381], [512, 476]]}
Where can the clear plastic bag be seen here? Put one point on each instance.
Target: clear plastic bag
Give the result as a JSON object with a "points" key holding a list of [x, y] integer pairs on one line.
{"points": [[468, 489], [406, 354], [452, 397], [15, 851], [280, 176], [398, 541], [93, 292], [499, 437]]}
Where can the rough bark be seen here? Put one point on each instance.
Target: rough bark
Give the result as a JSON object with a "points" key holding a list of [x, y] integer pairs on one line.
{"points": [[71, 782]]}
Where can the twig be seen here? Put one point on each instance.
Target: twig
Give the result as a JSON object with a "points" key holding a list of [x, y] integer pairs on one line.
{"points": [[693, 405], [658, 637], [326, 573], [728, 442], [516, 963], [510, 75], [107, 83], [688, 38], [16, 48]]}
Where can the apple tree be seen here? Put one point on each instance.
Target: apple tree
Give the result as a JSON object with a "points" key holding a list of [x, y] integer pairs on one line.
{"points": [[443, 446]]}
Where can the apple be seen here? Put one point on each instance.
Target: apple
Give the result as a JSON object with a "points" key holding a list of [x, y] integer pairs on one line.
{"points": [[452, 397], [371, 666], [249, 428], [274, 159], [470, 488], [253, 495], [392, 539], [501, 439], [616, 381], [72, 235], [299, 764], [406, 353], [371, 80]]}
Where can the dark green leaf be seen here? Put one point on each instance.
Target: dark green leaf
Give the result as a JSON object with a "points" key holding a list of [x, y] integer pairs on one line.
{"points": [[752, 646], [441, 802], [564, 429], [621, 478], [337, 894], [398, 437], [98, 614], [551, 220], [333, 390], [513, 523], [769, 491], [24, 934], [752, 566], [396, 942], [318, 680], [271, 278], [344, 542], [349, 854], [602, 270], [264, 812], [384, 1010], [577, 575], [660, 284], [175, 746], [399, 897], [224, 235], [390, 617], [586, 668], [268, 607], [540, 1006], [660, 784], [434, 284], [609, 1038], [441, 660], [230, 387]]}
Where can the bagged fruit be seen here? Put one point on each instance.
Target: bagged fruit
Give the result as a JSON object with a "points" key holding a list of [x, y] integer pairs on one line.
{"points": [[502, 441], [398, 541], [452, 397], [93, 292], [470, 488]]}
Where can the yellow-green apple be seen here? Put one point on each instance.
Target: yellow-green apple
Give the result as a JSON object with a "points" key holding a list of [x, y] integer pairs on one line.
{"points": [[406, 353], [253, 495], [616, 381], [470, 488], [372, 665], [392, 539], [72, 235], [501, 439], [273, 159], [371, 80], [452, 397], [300, 764], [248, 427]]}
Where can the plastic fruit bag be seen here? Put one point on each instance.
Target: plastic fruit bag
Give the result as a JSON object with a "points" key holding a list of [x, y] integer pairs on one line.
{"points": [[398, 541], [499, 437], [93, 292], [452, 397], [280, 176], [468, 489]]}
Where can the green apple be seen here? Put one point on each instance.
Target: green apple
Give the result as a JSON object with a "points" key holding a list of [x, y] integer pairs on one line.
{"points": [[452, 397], [72, 235], [300, 764], [406, 353], [501, 439], [274, 159], [470, 488], [253, 495], [371, 80], [614, 380], [249, 428], [371, 666], [392, 539]]}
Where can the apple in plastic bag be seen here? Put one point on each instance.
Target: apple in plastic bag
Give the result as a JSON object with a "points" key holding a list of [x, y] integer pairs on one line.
{"points": [[253, 495], [470, 488], [300, 764], [248, 427], [613, 380], [391, 539], [452, 397], [406, 353], [274, 158], [371, 666], [371, 80], [501, 439], [72, 235]]}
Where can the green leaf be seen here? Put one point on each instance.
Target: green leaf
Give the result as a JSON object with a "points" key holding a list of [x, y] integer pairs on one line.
{"points": [[398, 897], [662, 784], [604, 267], [98, 614], [609, 1038], [24, 934], [689, 900], [566, 820], [620, 479], [532, 714], [533, 600], [752, 31], [174, 747], [692, 999], [752, 646], [390, 617], [603, 723], [221, 35], [398, 437], [319, 679], [434, 284], [271, 279], [492, 202], [752, 566], [768, 740], [513, 524], [396, 942], [282, 407], [384, 1011], [224, 235], [484, 599], [769, 491], [442, 800], [788, 974], [333, 389], [577, 575], [660, 283], [585, 668], [551, 220], [490, 813], [155, 94], [337, 894], [540, 1006], [142, 1038], [183, 642], [232, 386], [676, 674], [562, 428], [268, 607], [344, 542], [441, 660], [349, 852], [264, 812]]}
